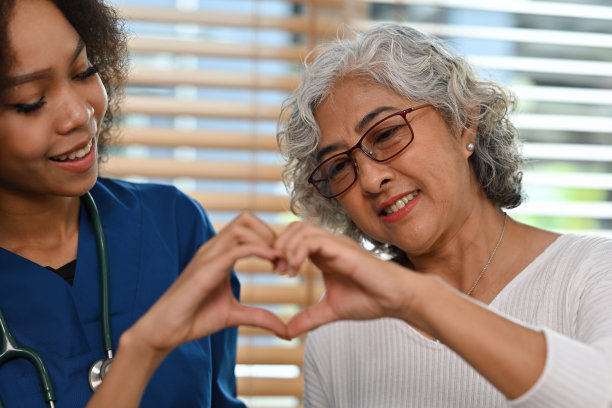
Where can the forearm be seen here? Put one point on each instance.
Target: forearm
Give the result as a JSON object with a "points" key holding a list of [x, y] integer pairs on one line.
{"points": [[132, 367], [508, 355]]}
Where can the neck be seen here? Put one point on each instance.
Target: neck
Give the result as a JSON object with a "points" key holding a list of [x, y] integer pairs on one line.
{"points": [[461, 256], [44, 230]]}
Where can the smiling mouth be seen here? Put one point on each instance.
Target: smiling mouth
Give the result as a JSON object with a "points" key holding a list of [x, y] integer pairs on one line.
{"points": [[78, 154], [399, 204]]}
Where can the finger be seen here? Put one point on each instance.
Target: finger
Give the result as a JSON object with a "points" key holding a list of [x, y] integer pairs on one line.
{"points": [[245, 228], [293, 229], [293, 243], [237, 234], [316, 245], [243, 315], [203, 274], [310, 318], [256, 226]]}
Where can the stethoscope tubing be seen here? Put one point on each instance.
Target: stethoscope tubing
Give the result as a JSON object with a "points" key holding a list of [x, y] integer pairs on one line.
{"points": [[94, 215], [10, 349]]}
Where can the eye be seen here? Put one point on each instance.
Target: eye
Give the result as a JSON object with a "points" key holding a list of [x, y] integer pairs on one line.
{"points": [[29, 107], [385, 135], [338, 168], [87, 73]]}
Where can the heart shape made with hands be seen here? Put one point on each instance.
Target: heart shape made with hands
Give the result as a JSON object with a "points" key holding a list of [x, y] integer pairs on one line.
{"points": [[351, 290], [357, 284]]}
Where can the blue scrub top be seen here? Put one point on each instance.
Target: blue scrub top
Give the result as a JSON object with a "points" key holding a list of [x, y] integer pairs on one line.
{"points": [[152, 231]]}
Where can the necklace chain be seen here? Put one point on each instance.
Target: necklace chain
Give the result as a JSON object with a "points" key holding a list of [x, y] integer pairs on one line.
{"points": [[501, 236]]}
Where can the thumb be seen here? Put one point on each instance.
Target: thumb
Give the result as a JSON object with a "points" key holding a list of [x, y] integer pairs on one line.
{"points": [[254, 316], [310, 318]]}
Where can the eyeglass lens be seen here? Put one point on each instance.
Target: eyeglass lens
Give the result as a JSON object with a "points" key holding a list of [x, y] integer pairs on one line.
{"points": [[385, 140]]}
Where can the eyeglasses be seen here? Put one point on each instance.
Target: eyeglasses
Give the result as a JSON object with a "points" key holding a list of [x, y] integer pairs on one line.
{"points": [[383, 141]]}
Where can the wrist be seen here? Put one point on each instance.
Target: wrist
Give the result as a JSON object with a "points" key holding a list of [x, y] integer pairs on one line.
{"points": [[427, 303], [137, 348]]}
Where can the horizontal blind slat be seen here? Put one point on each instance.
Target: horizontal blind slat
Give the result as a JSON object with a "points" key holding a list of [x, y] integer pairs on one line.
{"points": [[509, 34], [162, 106], [216, 49], [118, 166], [267, 294], [169, 137], [568, 151], [252, 80], [260, 266], [565, 209], [270, 355], [546, 65], [298, 25], [248, 386], [546, 8]]}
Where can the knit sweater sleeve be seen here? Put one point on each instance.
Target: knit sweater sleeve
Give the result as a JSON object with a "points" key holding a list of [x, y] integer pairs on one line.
{"points": [[578, 369], [317, 385]]}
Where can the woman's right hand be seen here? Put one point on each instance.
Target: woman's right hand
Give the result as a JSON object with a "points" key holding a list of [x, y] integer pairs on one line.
{"points": [[201, 302]]}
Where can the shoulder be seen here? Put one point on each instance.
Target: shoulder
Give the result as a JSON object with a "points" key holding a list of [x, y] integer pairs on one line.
{"points": [[161, 215], [579, 260], [581, 248], [161, 205], [123, 190], [148, 196]]}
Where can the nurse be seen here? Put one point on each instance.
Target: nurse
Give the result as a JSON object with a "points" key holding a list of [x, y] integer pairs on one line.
{"points": [[173, 296]]}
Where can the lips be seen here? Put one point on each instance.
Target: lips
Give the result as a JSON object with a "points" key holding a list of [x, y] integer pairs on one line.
{"points": [[398, 204], [75, 155]]}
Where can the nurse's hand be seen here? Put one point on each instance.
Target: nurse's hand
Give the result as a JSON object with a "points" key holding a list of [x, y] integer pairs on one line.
{"points": [[358, 285], [201, 301]]}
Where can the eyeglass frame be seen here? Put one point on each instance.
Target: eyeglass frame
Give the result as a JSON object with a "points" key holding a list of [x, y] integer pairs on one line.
{"points": [[359, 146]]}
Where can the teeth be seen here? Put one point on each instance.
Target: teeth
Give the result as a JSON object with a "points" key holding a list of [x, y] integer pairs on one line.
{"points": [[75, 155], [399, 204]]}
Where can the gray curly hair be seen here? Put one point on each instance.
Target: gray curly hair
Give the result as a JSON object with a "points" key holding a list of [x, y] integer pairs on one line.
{"points": [[420, 68]]}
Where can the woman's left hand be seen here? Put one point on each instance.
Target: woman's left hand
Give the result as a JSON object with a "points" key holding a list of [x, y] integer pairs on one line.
{"points": [[355, 287], [360, 286]]}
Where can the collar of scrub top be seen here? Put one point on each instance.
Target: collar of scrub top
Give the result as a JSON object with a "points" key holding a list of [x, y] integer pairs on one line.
{"points": [[10, 349]]}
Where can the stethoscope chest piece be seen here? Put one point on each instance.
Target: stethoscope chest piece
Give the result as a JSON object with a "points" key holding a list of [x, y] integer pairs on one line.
{"points": [[98, 371]]}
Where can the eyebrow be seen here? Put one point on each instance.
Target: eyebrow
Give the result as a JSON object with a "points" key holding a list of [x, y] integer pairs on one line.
{"points": [[370, 116], [38, 75], [328, 149], [365, 121]]}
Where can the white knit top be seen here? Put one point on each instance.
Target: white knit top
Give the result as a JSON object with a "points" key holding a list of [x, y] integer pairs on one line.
{"points": [[566, 292]]}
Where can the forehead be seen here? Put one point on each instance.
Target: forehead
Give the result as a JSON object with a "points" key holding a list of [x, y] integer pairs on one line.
{"points": [[358, 95], [350, 101], [39, 34]]}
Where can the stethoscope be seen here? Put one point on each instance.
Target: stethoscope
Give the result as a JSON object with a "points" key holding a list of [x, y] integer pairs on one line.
{"points": [[10, 349]]}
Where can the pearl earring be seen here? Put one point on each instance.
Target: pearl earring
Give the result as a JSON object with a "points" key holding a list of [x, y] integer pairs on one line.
{"points": [[470, 147]]}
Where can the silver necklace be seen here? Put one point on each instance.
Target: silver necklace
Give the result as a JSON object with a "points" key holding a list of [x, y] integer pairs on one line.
{"points": [[501, 236]]}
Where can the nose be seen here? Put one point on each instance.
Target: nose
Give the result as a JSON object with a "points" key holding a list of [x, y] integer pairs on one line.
{"points": [[75, 111], [371, 175]]}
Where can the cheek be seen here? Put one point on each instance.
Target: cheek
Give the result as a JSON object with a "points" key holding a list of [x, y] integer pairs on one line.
{"points": [[23, 137], [358, 210]]}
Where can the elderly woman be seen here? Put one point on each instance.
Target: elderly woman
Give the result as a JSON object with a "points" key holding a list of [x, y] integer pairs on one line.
{"points": [[393, 141]]}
